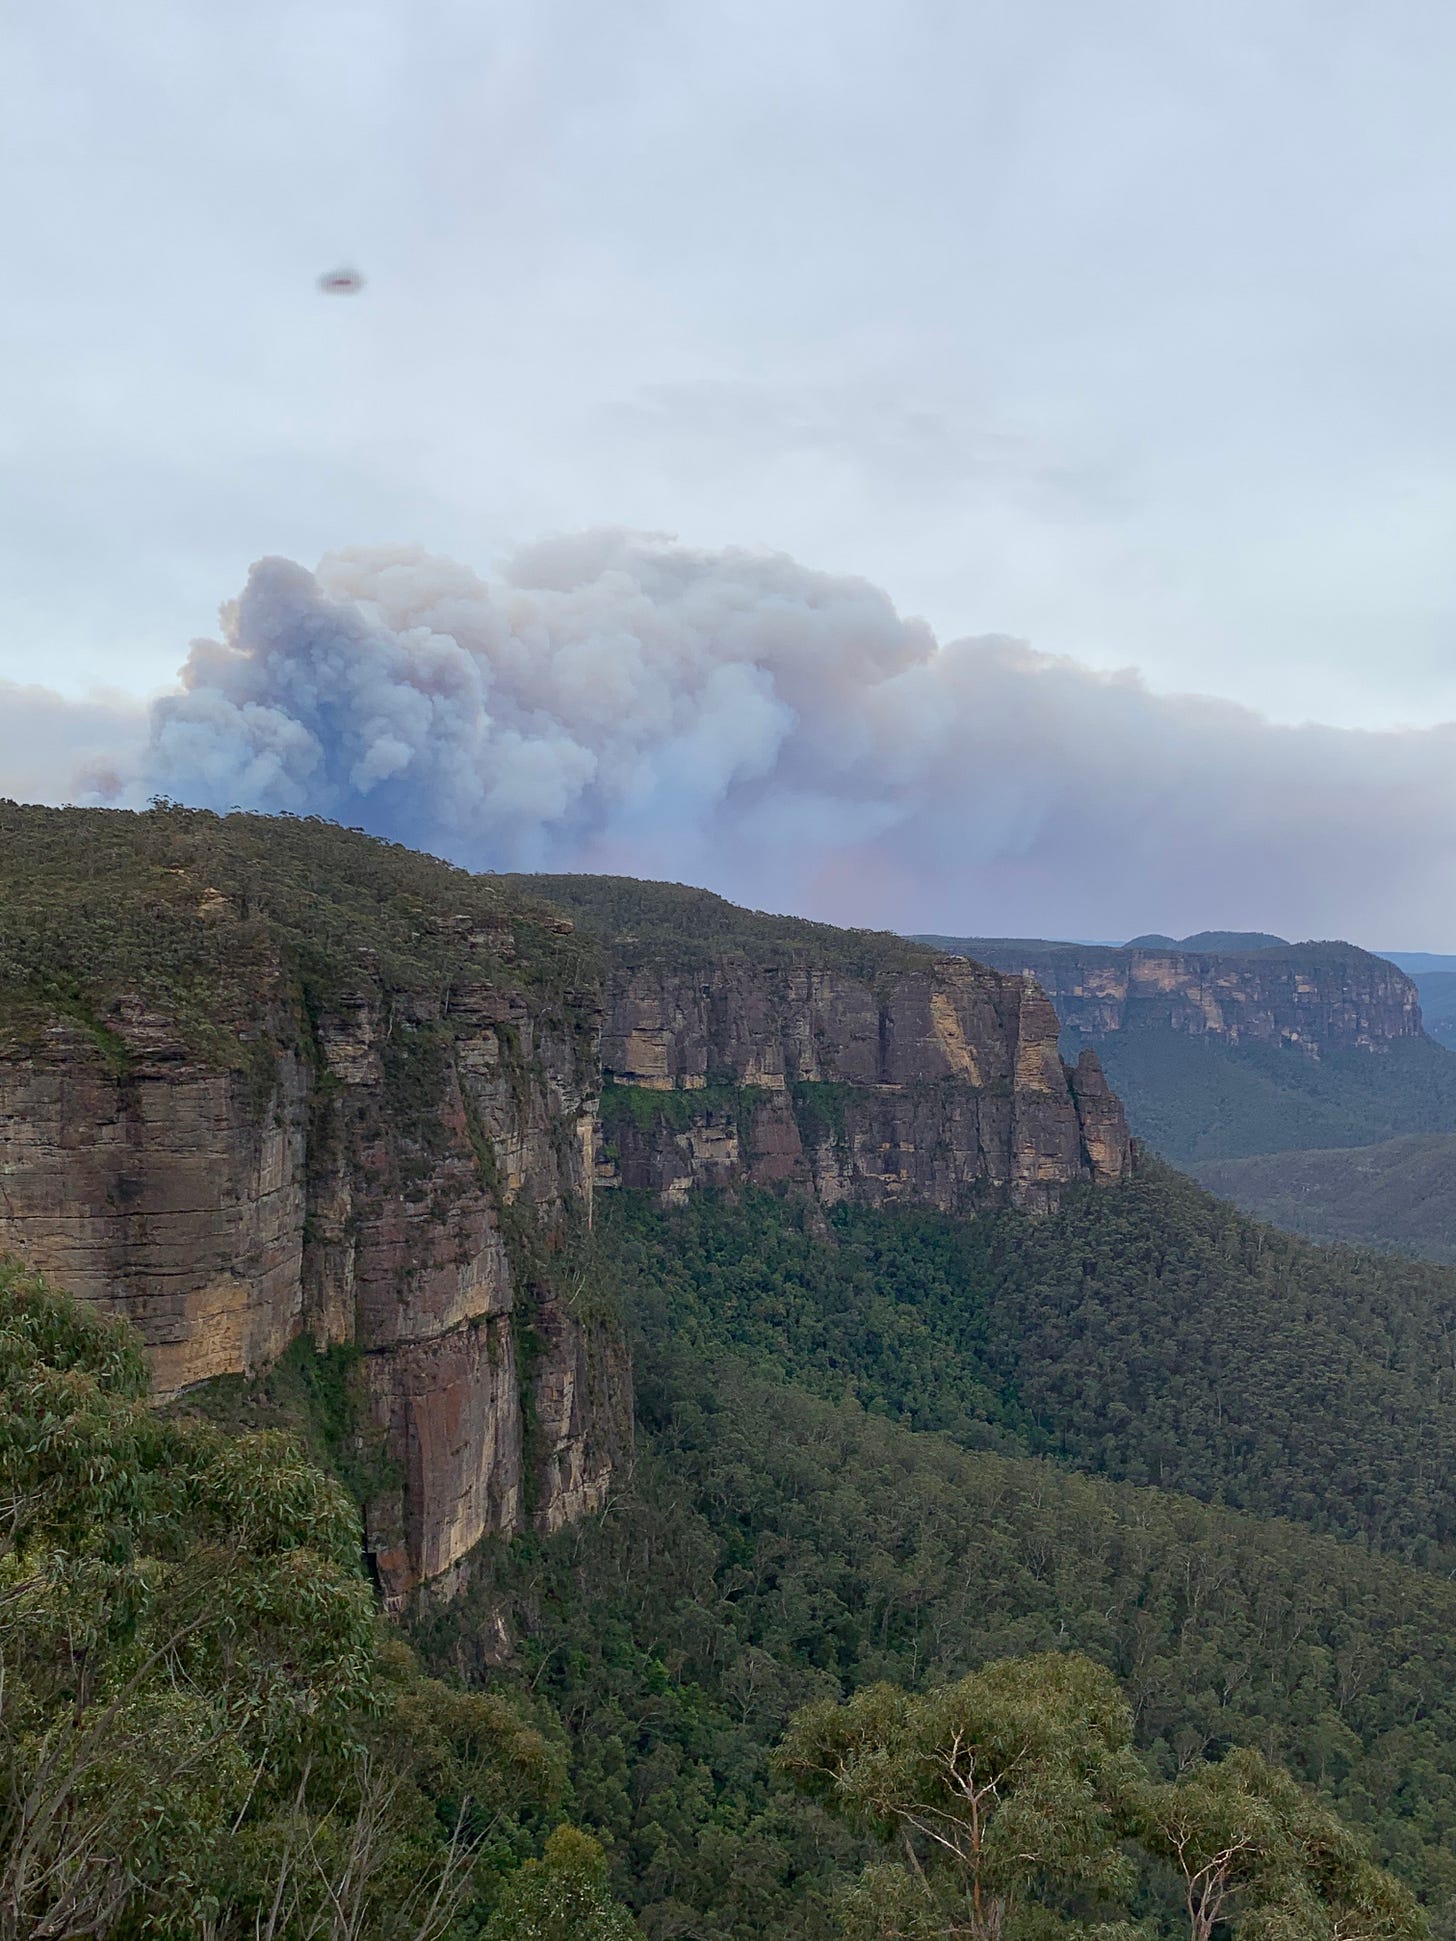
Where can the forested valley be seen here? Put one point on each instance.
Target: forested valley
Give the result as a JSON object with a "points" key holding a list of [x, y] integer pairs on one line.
{"points": [[851, 1470], [1073, 1708], [857, 1477]]}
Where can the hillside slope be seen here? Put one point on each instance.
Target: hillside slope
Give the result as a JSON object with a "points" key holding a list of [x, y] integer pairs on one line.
{"points": [[775, 1545], [1194, 1100], [1151, 1334], [1399, 1196], [1223, 1046], [266, 1072]]}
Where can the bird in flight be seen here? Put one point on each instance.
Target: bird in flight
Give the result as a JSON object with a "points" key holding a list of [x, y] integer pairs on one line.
{"points": [[342, 282]]}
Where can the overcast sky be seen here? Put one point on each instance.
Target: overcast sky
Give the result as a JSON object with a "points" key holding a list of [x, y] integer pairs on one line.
{"points": [[1124, 328]]}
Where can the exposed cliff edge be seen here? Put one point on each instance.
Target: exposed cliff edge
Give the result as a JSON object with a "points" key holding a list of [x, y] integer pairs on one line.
{"points": [[262, 1078], [738, 1048], [1226, 1045], [1317, 997]]}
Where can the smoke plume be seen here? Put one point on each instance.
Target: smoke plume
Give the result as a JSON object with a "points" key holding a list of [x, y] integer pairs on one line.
{"points": [[619, 702], [55, 749]]}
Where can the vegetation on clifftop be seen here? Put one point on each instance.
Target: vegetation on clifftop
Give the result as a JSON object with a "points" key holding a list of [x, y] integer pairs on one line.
{"points": [[896, 1475], [674, 924], [193, 913]]}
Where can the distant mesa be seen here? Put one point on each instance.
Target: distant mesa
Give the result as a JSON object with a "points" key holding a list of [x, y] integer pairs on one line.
{"points": [[1212, 940], [1229, 1043]]}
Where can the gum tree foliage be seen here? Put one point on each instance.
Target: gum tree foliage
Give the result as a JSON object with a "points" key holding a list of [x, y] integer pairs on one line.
{"points": [[1014, 1805], [769, 1549], [1010, 1787], [205, 1730], [1253, 1850], [563, 1896]]}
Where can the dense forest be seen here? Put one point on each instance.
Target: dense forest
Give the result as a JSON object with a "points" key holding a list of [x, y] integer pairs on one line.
{"points": [[205, 1727], [1151, 1334], [856, 1465], [206, 1730], [1090, 1576], [774, 1549]]}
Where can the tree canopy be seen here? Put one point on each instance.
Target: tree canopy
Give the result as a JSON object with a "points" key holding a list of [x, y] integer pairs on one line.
{"points": [[205, 1728], [1013, 1804]]}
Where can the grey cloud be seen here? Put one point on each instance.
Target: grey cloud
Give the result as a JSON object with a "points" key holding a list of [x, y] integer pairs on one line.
{"points": [[1128, 326], [918, 447]]}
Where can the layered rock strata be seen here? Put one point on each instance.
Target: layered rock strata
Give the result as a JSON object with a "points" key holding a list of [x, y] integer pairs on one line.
{"points": [[268, 1080], [938, 1086], [400, 1170], [1318, 997]]}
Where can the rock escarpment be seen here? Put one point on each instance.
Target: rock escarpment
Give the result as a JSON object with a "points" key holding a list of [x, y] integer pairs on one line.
{"points": [[260, 1080], [747, 1050], [1317, 997]]}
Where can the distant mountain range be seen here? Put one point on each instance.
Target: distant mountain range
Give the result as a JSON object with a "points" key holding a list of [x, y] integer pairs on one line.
{"points": [[1227, 1044]]}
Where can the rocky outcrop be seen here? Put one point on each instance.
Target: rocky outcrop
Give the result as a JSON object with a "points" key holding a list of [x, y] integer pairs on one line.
{"points": [[163, 1190], [936, 1086], [361, 1194], [1317, 997]]}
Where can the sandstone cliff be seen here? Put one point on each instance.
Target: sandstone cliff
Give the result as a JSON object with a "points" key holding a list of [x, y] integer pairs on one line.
{"points": [[259, 1079], [1226, 1045], [745, 1050], [1318, 997]]}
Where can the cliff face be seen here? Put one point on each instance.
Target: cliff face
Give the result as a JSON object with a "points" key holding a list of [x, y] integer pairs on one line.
{"points": [[396, 1163], [1318, 997], [878, 1073]]}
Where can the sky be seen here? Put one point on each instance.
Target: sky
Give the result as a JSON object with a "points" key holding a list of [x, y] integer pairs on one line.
{"points": [[1122, 331]]}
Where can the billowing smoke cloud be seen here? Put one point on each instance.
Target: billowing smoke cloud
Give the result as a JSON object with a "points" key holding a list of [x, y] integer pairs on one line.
{"points": [[53, 748], [618, 702]]}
